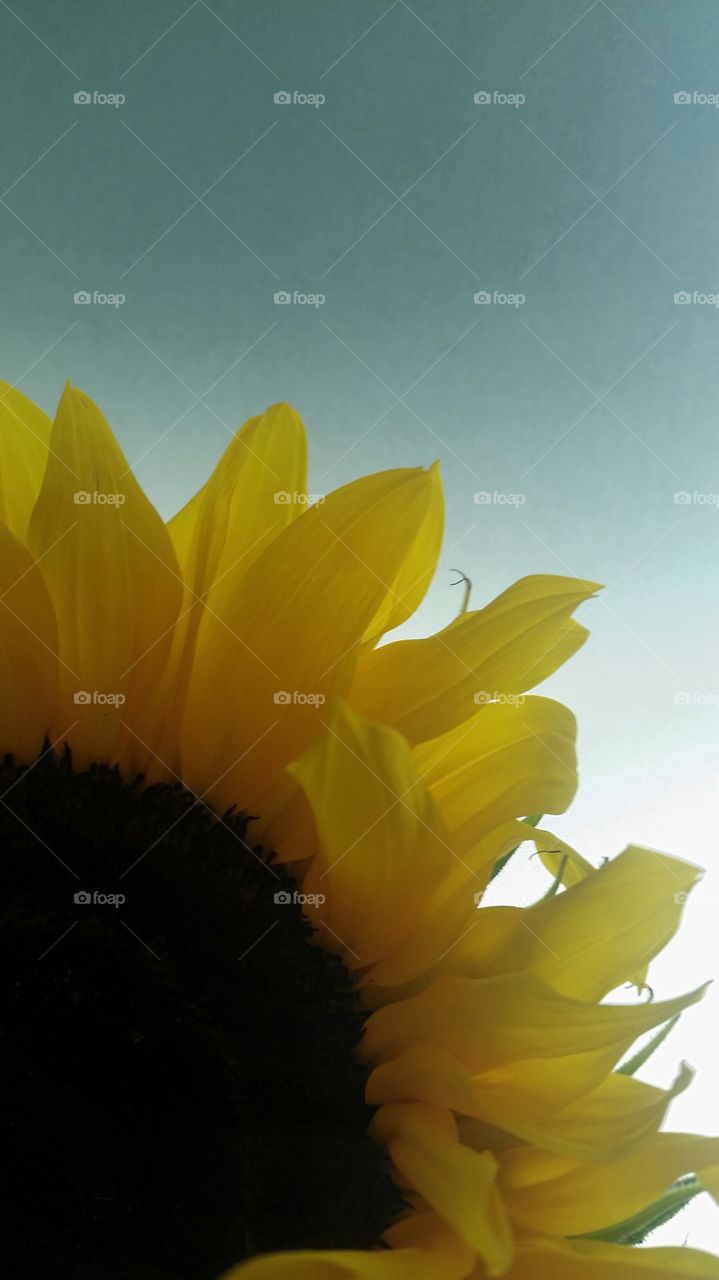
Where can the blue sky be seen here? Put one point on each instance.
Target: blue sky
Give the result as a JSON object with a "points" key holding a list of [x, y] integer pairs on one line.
{"points": [[581, 198]]}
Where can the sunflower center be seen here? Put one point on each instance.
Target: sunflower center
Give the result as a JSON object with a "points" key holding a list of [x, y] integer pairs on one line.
{"points": [[178, 1080]]}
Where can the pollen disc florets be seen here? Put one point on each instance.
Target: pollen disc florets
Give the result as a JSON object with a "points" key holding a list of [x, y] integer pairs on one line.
{"points": [[179, 1088]]}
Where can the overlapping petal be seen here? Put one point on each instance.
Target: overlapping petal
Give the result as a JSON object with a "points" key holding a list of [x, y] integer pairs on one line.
{"points": [[426, 687], [548, 1103], [511, 759], [113, 579], [258, 487], [28, 652], [556, 1195], [407, 589], [422, 1247], [24, 440], [457, 1182], [283, 646], [636, 899], [545, 1259], [382, 848], [514, 1019]]}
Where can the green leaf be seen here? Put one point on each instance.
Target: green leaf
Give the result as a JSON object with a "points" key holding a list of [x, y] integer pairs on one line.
{"points": [[642, 1055], [501, 863], [635, 1230]]}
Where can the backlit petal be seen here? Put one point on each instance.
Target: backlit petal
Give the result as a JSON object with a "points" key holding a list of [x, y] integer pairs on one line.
{"points": [[28, 652], [112, 575], [282, 645], [426, 687], [382, 848], [24, 439]]}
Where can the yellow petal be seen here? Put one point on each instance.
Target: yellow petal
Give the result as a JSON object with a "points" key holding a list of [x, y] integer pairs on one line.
{"points": [[636, 900], [558, 1196], [428, 1075], [421, 1248], [609, 1123], [285, 643], [426, 687], [257, 488], [544, 1106], [543, 1259], [560, 858], [552, 1102], [488, 1022], [407, 590], [507, 762], [112, 575], [24, 438], [432, 1076], [382, 848], [459, 1184], [28, 652], [430, 946]]}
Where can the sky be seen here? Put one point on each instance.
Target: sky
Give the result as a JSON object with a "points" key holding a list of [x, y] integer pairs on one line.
{"points": [[480, 232]]}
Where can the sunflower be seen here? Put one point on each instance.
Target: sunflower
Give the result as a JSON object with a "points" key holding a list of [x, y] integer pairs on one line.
{"points": [[256, 1018]]}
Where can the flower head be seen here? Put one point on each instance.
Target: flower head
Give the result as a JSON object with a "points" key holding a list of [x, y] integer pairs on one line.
{"points": [[260, 1016]]}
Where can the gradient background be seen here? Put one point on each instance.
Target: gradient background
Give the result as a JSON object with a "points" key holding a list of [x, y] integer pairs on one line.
{"points": [[398, 199]]}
